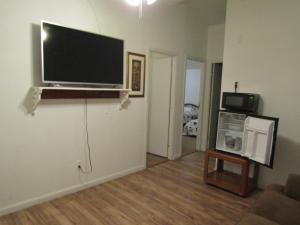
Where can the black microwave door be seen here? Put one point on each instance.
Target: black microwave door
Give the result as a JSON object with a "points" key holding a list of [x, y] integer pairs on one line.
{"points": [[260, 134], [245, 102], [233, 101]]}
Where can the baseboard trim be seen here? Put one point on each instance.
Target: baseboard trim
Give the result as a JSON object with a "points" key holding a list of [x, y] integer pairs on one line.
{"points": [[53, 195]]}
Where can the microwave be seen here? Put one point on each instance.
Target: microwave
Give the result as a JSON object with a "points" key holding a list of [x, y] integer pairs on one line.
{"points": [[244, 102]]}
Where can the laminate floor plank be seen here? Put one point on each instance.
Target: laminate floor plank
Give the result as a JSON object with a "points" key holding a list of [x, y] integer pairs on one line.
{"points": [[170, 199], [153, 160], [191, 199], [145, 204], [170, 193]]}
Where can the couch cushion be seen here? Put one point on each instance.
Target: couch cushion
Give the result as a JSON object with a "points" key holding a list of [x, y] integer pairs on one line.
{"points": [[278, 208], [251, 219], [292, 188]]}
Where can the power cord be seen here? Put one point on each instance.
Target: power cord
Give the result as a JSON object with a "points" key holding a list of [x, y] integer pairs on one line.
{"points": [[87, 141]]}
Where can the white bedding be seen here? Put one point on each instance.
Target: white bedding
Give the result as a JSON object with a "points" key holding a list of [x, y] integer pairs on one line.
{"points": [[191, 128], [190, 120]]}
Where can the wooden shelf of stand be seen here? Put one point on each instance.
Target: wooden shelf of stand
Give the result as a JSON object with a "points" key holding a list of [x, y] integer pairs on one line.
{"points": [[228, 181], [240, 184]]}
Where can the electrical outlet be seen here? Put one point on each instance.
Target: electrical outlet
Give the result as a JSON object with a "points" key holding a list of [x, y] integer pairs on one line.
{"points": [[78, 163]]}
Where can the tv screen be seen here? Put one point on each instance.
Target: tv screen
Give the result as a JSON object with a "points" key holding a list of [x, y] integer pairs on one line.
{"points": [[76, 57]]}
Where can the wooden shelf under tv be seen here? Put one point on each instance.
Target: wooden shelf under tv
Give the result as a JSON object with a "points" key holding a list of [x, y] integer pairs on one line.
{"points": [[40, 93]]}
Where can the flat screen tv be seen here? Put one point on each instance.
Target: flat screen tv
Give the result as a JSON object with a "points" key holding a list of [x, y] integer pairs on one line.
{"points": [[71, 56]]}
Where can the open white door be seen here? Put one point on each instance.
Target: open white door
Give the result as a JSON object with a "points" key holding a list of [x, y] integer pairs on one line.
{"points": [[259, 139], [159, 110]]}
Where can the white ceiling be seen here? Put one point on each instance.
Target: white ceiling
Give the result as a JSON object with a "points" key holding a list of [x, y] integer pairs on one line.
{"points": [[208, 11], [205, 11], [174, 1]]}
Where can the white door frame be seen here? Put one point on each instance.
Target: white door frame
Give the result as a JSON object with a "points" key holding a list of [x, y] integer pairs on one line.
{"points": [[200, 113], [211, 72], [173, 55]]}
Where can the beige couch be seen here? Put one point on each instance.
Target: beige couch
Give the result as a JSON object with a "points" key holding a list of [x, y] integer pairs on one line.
{"points": [[278, 205]]}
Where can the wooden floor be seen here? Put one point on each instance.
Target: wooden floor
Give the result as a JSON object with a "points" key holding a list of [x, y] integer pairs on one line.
{"points": [[170, 193], [153, 160]]}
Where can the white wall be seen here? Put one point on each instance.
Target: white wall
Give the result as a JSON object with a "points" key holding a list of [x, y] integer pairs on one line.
{"points": [[215, 48], [262, 52], [215, 42], [192, 86], [39, 153]]}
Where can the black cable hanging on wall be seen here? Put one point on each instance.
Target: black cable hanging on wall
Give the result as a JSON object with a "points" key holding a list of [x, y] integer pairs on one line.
{"points": [[87, 141]]}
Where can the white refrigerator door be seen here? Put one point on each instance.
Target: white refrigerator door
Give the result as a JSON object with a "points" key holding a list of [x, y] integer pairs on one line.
{"points": [[258, 139]]}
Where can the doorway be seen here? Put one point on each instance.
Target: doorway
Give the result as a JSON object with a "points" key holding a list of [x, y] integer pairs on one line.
{"points": [[215, 98], [192, 108], [161, 69]]}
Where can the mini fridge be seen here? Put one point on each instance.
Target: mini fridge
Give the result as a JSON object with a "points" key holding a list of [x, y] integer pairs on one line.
{"points": [[248, 135]]}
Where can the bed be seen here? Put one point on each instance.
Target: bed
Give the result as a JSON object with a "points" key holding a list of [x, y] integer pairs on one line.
{"points": [[190, 119]]}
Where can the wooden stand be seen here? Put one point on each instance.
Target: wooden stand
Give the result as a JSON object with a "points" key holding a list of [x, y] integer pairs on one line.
{"points": [[239, 184]]}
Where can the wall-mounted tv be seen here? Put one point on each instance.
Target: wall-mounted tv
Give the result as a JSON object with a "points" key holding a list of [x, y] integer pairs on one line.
{"points": [[71, 56]]}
